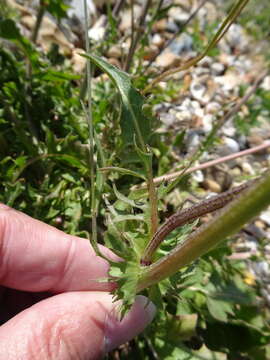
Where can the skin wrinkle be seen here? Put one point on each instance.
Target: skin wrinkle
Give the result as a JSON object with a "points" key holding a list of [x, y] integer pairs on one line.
{"points": [[70, 325], [58, 340], [50, 276], [57, 343], [25, 248], [45, 340], [20, 346], [65, 269], [50, 339], [6, 238]]}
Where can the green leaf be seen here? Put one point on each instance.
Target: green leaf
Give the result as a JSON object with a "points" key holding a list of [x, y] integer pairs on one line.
{"points": [[181, 327], [21, 161], [205, 354], [53, 75], [133, 120], [168, 351], [220, 335], [71, 160], [122, 171], [17, 189], [127, 273], [127, 200], [120, 218], [9, 30], [57, 8], [219, 309]]}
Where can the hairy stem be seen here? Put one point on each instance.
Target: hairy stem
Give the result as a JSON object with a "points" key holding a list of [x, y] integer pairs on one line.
{"points": [[230, 219], [186, 216], [91, 138]]}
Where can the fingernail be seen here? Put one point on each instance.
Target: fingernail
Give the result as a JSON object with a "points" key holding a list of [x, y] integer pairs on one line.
{"points": [[135, 321]]}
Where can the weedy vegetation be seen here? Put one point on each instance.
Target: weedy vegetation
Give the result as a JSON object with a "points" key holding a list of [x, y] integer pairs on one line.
{"points": [[81, 152]]}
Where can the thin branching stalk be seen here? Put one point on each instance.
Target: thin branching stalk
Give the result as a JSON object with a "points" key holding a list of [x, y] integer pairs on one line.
{"points": [[138, 34], [180, 30], [235, 11], [208, 164], [159, 6], [152, 200], [132, 22], [244, 99], [91, 136], [41, 12], [228, 115], [229, 220], [210, 138], [119, 4], [145, 35]]}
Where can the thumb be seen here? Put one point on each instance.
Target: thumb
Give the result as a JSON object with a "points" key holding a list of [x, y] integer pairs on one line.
{"points": [[68, 326]]}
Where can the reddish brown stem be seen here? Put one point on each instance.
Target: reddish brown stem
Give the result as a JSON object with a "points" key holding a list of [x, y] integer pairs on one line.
{"points": [[188, 215]]}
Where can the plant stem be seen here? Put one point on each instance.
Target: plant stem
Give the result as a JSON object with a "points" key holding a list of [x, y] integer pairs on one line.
{"points": [[152, 200], [244, 99], [208, 164], [235, 11], [138, 34], [117, 7], [234, 110], [181, 28], [230, 219], [91, 137], [41, 12], [186, 216]]}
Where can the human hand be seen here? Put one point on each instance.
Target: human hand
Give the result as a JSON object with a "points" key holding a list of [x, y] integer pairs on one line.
{"points": [[52, 307]]}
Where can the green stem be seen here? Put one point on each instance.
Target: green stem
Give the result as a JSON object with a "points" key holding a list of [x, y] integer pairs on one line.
{"points": [[40, 15], [91, 138], [181, 29], [138, 34], [152, 201], [227, 222], [235, 11]]}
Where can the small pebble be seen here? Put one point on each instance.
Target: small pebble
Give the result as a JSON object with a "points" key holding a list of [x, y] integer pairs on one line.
{"points": [[197, 90], [207, 123], [212, 107], [212, 185], [217, 68], [229, 130], [192, 141], [181, 44], [247, 168], [167, 119], [167, 59], [114, 51], [198, 176], [157, 40], [230, 146], [265, 216]]}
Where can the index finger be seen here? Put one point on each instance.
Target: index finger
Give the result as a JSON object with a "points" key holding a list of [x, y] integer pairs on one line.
{"points": [[35, 256]]}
